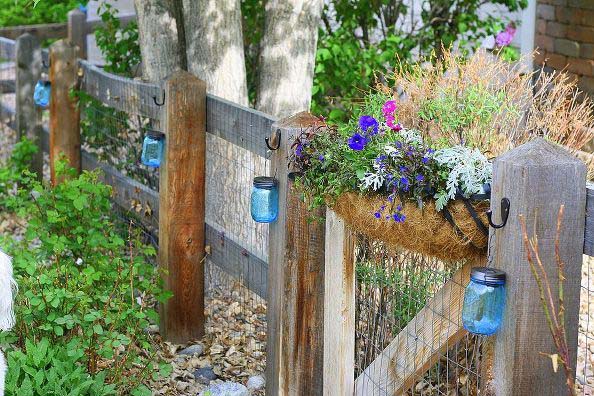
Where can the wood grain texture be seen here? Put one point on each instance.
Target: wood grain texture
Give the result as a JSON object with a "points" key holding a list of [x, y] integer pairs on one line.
{"points": [[238, 124], [182, 208], [589, 228], [295, 280], [538, 177], [130, 96], [77, 31], [28, 119], [437, 327], [41, 31], [339, 308], [64, 110]]}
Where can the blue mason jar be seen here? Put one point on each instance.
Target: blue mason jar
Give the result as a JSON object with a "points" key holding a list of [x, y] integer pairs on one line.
{"points": [[264, 202], [484, 301], [41, 94], [152, 149]]}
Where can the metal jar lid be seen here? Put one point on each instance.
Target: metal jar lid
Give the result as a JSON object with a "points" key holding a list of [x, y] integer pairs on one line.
{"points": [[489, 276], [155, 134], [265, 182]]}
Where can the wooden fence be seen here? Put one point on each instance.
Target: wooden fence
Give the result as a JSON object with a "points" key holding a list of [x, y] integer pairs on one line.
{"points": [[310, 286]]}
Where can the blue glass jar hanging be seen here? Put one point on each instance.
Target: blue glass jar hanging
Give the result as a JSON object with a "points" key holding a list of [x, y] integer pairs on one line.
{"points": [[484, 301], [152, 149], [42, 92], [264, 199]]}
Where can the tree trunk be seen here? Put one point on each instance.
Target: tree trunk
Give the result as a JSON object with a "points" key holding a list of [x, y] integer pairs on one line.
{"points": [[288, 56], [215, 47], [162, 43]]}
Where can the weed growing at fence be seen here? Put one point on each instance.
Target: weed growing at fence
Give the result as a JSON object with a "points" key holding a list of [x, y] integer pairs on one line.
{"points": [[87, 291]]}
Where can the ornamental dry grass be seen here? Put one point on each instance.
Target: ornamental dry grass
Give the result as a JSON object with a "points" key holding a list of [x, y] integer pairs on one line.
{"points": [[542, 104]]}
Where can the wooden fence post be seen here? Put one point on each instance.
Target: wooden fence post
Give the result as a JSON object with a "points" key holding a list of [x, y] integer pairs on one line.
{"points": [[77, 31], [28, 116], [339, 308], [182, 207], [537, 177], [64, 111], [294, 363]]}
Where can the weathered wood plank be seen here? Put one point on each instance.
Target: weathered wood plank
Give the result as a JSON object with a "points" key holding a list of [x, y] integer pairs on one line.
{"points": [[130, 96], [339, 308], [28, 115], [237, 261], [182, 208], [437, 327], [589, 228], [64, 109], [41, 31], [77, 31], [295, 283], [537, 177], [237, 124]]}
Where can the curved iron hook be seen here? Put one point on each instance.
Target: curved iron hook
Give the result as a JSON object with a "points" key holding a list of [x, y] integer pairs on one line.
{"points": [[504, 214], [278, 141], [162, 102], [45, 64]]}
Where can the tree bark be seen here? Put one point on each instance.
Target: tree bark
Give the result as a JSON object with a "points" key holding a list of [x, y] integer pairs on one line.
{"points": [[288, 56], [214, 43], [162, 42]]}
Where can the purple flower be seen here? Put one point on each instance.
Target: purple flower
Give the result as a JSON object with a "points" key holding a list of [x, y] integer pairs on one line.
{"points": [[506, 36], [357, 142], [377, 215], [366, 122], [425, 160], [404, 181], [430, 151], [399, 208], [321, 158], [299, 150], [398, 144], [403, 169], [399, 217], [419, 178], [389, 107]]}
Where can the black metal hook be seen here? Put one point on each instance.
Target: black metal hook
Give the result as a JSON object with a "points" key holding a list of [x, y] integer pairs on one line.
{"points": [[278, 141], [162, 102], [505, 204], [45, 64]]}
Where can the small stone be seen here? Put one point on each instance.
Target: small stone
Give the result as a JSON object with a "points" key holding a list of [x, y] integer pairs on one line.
{"points": [[152, 329], [256, 382], [205, 375], [226, 389], [182, 386], [192, 350]]}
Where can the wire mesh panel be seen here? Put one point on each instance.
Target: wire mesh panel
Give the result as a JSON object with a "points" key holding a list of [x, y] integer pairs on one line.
{"points": [[585, 354], [7, 97], [394, 291], [237, 266]]}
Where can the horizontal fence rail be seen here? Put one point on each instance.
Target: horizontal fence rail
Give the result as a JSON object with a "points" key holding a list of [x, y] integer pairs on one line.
{"points": [[58, 30]]}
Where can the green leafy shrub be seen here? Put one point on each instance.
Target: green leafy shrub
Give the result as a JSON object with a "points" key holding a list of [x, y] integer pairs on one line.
{"points": [[45, 369], [27, 12], [85, 286]]}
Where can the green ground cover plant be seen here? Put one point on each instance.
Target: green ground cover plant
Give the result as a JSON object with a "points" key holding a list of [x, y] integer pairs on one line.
{"points": [[28, 12], [87, 289]]}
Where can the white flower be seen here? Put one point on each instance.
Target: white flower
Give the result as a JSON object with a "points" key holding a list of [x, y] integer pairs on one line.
{"points": [[373, 180]]}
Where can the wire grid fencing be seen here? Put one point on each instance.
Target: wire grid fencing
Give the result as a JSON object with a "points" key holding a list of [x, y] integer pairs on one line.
{"points": [[7, 97], [237, 313], [585, 353], [392, 287]]}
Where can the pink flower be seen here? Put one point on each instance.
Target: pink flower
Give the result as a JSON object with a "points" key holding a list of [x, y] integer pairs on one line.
{"points": [[506, 36], [392, 124], [389, 107]]}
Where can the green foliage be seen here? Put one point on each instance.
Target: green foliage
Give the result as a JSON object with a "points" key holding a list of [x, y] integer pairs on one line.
{"points": [[46, 369], [28, 12], [360, 36], [119, 45], [13, 174], [85, 286]]}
